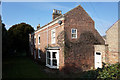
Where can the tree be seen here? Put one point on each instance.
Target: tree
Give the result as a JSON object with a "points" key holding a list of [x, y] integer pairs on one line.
{"points": [[19, 37], [4, 40]]}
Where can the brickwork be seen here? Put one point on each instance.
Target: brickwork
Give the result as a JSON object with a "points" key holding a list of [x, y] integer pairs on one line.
{"points": [[75, 54], [45, 41], [101, 48], [79, 53], [119, 41], [112, 41]]}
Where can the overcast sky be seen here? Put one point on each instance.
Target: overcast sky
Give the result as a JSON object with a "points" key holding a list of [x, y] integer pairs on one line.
{"points": [[105, 14]]}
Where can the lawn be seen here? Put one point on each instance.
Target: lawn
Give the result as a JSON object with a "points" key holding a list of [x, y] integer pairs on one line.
{"points": [[21, 67]]}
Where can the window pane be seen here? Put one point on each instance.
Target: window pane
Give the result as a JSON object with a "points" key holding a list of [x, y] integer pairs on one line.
{"points": [[97, 53], [73, 30], [54, 62], [39, 53], [48, 54], [73, 35], [48, 61], [54, 54], [39, 39]]}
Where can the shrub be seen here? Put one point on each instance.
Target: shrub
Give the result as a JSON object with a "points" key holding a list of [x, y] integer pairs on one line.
{"points": [[110, 72]]}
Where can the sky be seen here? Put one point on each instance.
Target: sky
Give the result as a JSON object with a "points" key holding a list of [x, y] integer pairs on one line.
{"points": [[104, 14]]}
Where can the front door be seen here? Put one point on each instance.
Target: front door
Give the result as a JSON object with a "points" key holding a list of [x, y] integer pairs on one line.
{"points": [[98, 60]]}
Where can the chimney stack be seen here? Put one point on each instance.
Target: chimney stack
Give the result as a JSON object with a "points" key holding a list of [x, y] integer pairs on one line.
{"points": [[56, 13], [38, 26]]}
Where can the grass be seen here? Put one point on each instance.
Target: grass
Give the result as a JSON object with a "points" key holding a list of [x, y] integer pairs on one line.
{"points": [[21, 67]]}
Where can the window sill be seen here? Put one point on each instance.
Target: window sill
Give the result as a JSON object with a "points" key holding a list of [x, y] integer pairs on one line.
{"points": [[53, 67]]}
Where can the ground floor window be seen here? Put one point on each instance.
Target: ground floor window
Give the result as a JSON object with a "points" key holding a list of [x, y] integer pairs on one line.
{"points": [[52, 58], [39, 53], [34, 53]]}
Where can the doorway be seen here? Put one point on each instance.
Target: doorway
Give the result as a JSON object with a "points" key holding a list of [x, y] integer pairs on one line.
{"points": [[98, 60]]}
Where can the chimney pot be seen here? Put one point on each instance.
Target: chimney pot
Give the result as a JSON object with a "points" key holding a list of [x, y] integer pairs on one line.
{"points": [[60, 12], [56, 13], [38, 26], [53, 10]]}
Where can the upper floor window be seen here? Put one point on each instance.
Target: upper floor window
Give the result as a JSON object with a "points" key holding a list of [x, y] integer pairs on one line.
{"points": [[53, 36], [38, 39], [74, 33]]}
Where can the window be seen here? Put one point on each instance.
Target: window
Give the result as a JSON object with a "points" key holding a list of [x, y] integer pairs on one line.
{"points": [[53, 36], [54, 61], [48, 58], [97, 53], [52, 58], [34, 53], [31, 50], [39, 53], [38, 39], [74, 33]]}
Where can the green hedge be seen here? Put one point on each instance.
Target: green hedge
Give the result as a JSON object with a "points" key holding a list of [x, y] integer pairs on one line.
{"points": [[110, 72]]}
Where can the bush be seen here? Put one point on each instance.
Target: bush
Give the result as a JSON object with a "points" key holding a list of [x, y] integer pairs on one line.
{"points": [[110, 72]]}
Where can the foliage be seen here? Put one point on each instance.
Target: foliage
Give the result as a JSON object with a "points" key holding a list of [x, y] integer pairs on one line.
{"points": [[110, 72], [4, 40], [18, 36]]}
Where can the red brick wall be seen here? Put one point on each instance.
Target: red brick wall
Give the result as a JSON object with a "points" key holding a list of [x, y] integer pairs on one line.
{"points": [[43, 41], [80, 52]]}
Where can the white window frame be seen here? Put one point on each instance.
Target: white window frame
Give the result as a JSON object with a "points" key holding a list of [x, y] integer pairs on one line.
{"points": [[53, 36], [74, 33], [57, 57], [38, 39], [38, 53]]}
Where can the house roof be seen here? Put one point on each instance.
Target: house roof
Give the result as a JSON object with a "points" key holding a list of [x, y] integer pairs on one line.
{"points": [[104, 37], [113, 24], [61, 17], [51, 21]]}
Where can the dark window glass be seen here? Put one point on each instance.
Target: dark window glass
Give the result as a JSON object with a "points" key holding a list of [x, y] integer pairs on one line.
{"points": [[54, 54], [97, 53], [48, 54], [39, 39], [48, 61], [54, 62]]}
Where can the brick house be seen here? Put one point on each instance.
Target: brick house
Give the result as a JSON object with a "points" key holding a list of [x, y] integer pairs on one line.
{"points": [[112, 39], [69, 42]]}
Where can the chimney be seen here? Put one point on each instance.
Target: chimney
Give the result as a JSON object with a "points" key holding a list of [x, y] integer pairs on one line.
{"points": [[38, 26], [56, 13]]}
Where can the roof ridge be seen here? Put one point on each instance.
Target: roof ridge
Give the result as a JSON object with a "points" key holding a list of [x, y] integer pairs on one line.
{"points": [[112, 25], [72, 9]]}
